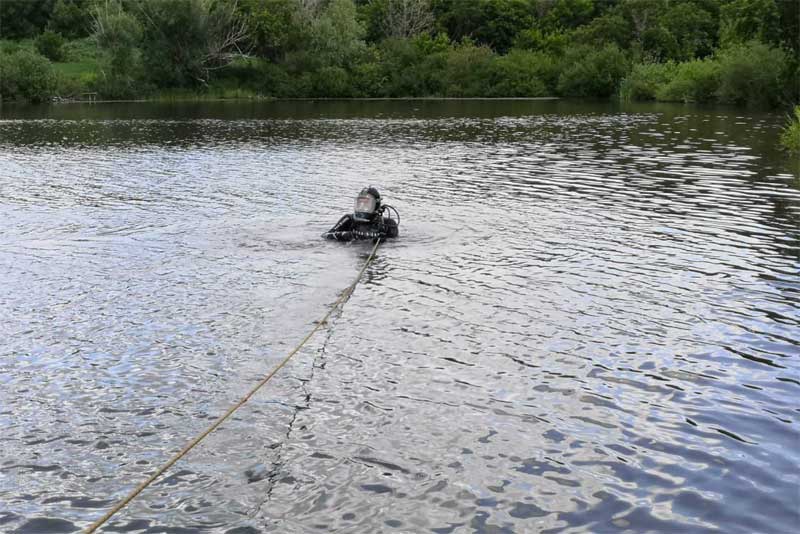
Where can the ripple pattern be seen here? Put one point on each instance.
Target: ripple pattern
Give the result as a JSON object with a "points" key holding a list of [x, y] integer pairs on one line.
{"points": [[589, 324]]}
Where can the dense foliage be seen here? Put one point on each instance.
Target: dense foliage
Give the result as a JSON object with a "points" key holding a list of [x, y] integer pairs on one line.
{"points": [[51, 45], [742, 52], [26, 75]]}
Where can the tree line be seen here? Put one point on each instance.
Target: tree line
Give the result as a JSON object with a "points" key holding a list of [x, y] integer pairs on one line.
{"points": [[731, 51]]}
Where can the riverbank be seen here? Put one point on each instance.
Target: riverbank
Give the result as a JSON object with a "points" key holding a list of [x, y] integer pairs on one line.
{"points": [[750, 74], [261, 98]]}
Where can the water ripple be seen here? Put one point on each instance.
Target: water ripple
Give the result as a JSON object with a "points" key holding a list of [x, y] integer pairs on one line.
{"points": [[590, 323]]}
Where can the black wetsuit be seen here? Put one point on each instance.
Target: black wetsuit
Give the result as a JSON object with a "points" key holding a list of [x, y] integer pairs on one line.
{"points": [[349, 229]]}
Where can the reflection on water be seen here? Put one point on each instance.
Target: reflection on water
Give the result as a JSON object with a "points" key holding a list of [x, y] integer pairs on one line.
{"points": [[590, 323]]}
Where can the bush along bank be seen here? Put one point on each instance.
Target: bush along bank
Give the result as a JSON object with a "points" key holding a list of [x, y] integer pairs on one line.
{"points": [[790, 137], [741, 52], [750, 74]]}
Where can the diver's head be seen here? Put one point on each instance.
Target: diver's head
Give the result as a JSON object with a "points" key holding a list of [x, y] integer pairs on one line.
{"points": [[368, 204]]}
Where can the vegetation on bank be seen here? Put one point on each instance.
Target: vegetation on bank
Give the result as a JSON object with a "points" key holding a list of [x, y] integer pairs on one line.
{"points": [[741, 52], [790, 138]]}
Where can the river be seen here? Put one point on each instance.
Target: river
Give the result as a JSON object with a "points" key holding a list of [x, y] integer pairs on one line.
{"points": [[590, 322]]}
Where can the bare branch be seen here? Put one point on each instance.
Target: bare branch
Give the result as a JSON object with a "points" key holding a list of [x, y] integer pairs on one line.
{"points": [[406, 18]]}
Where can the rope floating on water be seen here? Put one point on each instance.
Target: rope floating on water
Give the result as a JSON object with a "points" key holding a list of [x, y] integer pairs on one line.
{"points": [[189, 446]]}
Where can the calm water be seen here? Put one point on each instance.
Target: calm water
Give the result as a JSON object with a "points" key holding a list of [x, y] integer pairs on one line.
{"points": [[590, 323]]}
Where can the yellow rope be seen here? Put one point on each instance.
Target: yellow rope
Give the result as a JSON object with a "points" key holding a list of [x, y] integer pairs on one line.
{"points": [[189, 446]]}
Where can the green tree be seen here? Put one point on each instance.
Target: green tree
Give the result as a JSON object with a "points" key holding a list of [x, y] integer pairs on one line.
{"points": [[71, 18], [535, 39], [651, 40], [50, 45], [468, 70], [413, 67], [752, 73], [494, 23], [658, 44], [611, 27], [423, 47], [400, 72], [402, 19], [274, 26], [645, 80], [592, 72], [790, 25], [337, 36], [743, 20], [185, 41], [118, 34], [504, 19], [458, 18], [332, 82], [523, 73], [692, 81], [26, 75], [565, 14], [24, 18], [694, 26]]}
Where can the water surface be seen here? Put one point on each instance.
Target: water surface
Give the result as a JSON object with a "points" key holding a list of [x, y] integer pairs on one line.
{"points": [[589, 324]]}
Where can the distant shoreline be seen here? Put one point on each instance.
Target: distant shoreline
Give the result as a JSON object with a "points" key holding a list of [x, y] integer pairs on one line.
{"points": [[201, 99]]}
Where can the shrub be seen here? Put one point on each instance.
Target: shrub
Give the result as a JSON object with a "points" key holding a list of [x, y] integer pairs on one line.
{"points": [[259, 75], [430, 76], [521, 73], [256, 76], [368, 79], [118, 34], [645, 79], [302, 85], [468, 69], [399, 63], [331, 82], [592, 72], [26, 75], [752, 73], [693, 81], [10, 47], [412, 67], [67, 86], [50, 45], [790, 138]]}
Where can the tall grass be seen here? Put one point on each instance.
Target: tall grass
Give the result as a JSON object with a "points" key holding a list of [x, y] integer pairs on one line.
{"points": [[790, 137]]}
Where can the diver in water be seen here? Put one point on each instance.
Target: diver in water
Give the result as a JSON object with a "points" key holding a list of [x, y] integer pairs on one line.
{"points": [[367, 221]]}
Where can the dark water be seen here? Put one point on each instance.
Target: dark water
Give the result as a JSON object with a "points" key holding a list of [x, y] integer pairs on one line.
{"points": [[590, 323]]}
